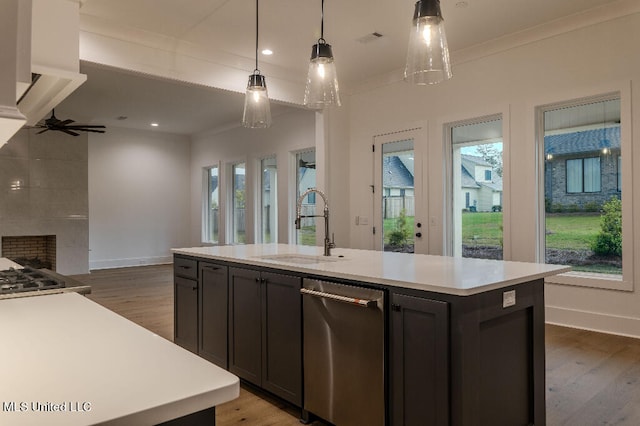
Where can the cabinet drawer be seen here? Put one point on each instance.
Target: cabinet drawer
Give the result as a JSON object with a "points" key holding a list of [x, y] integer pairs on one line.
{"points": [[187, 268], [186, 283]]}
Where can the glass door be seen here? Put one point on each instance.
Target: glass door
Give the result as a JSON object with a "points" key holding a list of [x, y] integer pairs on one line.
{"points": [[398, 194]]}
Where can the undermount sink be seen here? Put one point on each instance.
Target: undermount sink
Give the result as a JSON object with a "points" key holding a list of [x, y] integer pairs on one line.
{"points": [[303, 259]]}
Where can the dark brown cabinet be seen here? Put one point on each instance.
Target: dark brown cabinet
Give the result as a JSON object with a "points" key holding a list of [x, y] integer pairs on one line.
{"points": [[265, 331], [213, 307], [185, 299], [419, 361], [469, 360]]}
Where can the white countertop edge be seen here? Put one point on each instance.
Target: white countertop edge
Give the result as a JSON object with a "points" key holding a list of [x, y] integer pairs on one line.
{"points": [[201, 252], [184, 398], [184, 407], [85, 289]]}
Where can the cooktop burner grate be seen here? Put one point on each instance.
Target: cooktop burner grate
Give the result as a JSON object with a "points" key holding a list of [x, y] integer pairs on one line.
{"points": [[27, 279]]}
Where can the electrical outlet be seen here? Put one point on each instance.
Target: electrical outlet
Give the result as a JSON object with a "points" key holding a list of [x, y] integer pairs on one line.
{"points": [[508, 298]]}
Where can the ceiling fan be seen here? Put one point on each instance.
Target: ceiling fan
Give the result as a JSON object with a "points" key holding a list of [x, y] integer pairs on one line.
{"points": [[52, 123]]}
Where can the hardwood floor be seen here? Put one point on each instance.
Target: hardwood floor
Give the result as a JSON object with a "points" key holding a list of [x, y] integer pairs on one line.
{"points": [[592, 378]]}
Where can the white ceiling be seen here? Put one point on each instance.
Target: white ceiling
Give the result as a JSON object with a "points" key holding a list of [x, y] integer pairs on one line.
{"points": [[289, 27]]}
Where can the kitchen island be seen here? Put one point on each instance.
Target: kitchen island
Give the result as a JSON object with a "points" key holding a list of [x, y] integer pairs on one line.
{"points": [[68, 361], [463, 344]]}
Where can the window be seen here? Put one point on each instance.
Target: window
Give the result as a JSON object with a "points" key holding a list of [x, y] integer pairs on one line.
{"points": [[238, 198], [583, 217], [269, 200], [398, 202], [305, 179], [211, 214], [475, 188], [583, 175]]}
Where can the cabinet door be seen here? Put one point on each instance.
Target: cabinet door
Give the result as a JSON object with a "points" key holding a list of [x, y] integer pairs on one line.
{"points": [[213, 313], [282, 336], [419, 364], [245, 324], [186, 313]]}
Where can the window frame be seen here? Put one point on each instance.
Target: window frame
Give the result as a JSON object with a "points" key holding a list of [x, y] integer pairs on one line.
{"points": [[623, 282], [274, 201], [294, 187], [230, 228], [206, 202]]}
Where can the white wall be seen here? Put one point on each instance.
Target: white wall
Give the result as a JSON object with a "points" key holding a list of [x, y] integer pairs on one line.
{"points": [[138, 197], [289, 133], [596, 59]]}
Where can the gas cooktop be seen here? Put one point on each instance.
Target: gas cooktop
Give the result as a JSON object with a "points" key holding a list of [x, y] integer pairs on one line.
{"points": [[15, 280]]}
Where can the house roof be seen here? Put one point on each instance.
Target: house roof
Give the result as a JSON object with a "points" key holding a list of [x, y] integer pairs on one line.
{"points": [[468, 174], [468, 181], [584, 141], [396, 174]]}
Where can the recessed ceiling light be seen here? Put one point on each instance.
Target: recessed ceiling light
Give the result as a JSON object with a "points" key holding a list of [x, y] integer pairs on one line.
{"points": [[154, 124], [267, 52]]}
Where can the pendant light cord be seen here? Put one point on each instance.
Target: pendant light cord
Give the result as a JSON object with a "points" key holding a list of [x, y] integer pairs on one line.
{"points": [[322, 22], [257, 70]]}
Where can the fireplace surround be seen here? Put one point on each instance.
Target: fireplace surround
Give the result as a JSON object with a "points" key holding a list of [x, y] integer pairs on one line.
{"points": [[36, 251]]}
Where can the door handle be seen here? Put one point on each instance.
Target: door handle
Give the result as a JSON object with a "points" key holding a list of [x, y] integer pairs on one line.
{"points": [[365, 303]]}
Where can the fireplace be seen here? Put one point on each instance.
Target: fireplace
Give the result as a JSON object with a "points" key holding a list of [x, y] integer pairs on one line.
{"points": [[35, 251]]}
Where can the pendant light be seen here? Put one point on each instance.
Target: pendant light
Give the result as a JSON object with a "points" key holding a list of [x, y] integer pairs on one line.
{"points": [[428, 55], [322, 81], [257, 112]]}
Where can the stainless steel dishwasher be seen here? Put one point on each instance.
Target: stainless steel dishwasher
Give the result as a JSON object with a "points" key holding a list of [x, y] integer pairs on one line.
{"points": [[343, 353]]}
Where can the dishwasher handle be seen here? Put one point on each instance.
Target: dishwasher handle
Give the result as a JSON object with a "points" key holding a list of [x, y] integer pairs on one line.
{"points": [[365, 303]]}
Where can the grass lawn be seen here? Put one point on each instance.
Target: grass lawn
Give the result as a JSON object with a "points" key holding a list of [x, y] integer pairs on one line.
{"points": [[307, 235], [484, 229], [563, 231], [572, 231]]}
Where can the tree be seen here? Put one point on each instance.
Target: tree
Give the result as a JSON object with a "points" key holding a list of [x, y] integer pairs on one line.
{"points": [[492, 155]]}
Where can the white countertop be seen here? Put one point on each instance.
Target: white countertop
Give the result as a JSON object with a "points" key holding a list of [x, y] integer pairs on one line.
{"points": [[66, 349], [441, 274]]}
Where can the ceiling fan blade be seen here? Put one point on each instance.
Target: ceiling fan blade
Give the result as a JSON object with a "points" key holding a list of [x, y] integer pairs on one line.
{"points": [[65, 122], [42, 131], [91, 130], [69, 132], [85, 126]]}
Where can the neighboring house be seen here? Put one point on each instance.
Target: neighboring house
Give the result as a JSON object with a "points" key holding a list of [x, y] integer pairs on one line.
{"points": [[398, 187], [480, 185], [582, 167]]}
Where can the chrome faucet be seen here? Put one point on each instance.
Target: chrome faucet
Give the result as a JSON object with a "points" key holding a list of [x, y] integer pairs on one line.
{"points": [[328, 244]]}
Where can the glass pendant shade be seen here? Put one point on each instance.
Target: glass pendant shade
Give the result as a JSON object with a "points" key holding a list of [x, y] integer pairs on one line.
{"points": [[322, 81], [257, 111], [428, 55]]}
